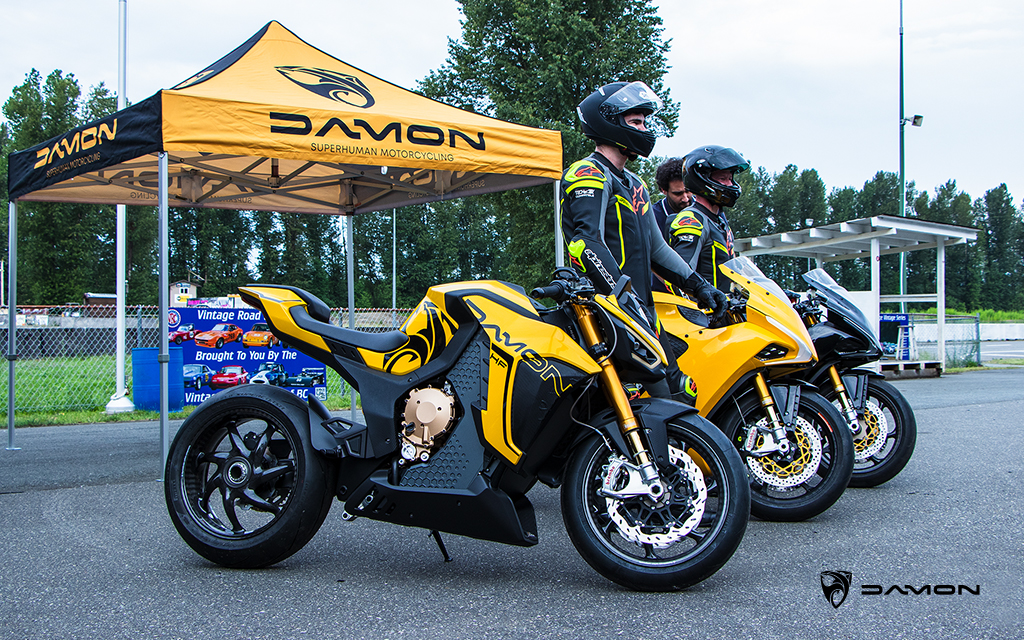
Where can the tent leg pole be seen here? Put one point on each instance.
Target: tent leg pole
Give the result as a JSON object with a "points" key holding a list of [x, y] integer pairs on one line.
{"points": [[559, 243], [350, 261], [164, 356], [12, 316]]}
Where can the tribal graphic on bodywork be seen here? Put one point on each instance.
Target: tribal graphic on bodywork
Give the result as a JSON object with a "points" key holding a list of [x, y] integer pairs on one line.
{"points": [[429, 331]]}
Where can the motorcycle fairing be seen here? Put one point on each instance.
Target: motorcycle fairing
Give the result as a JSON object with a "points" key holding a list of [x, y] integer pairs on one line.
{"points": [[548, 368]]}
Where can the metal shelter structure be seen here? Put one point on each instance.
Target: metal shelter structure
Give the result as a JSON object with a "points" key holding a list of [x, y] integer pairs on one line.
{"points": [[870, 238]]}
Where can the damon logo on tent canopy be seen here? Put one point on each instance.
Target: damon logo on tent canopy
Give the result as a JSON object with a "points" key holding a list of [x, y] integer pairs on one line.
{"points": [[330, 84], [75, 143]]}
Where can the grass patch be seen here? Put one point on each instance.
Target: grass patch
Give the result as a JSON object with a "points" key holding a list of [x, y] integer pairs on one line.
{"points": [[57, 391], [1013, 361]]}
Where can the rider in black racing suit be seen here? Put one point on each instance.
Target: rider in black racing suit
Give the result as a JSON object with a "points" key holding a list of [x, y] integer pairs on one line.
{"points": [[607, 220], [700, 234]]}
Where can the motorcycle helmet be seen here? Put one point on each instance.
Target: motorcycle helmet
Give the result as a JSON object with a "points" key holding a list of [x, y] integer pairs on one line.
{"points": [[603, 116], [702, 162]]}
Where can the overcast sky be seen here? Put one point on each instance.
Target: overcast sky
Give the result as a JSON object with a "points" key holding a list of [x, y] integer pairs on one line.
{"points": [[807, 82]]}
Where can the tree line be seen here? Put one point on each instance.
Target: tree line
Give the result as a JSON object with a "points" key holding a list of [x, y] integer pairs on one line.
{"points": [[526, 61]]}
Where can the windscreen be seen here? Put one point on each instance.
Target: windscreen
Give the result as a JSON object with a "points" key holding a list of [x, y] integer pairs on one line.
{"points": [[746, 268], [837, 299]]}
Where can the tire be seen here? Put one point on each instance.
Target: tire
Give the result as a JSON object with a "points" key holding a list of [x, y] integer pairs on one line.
{"points": [[197, 384], [220, 342], [694, 542], [243, 485], [884, 404], [177, 340], [779, 491]]}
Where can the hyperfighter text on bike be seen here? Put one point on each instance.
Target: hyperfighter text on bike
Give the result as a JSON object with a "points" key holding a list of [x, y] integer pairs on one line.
{"points": [[481, 393], [883, 424], [797, 448]]}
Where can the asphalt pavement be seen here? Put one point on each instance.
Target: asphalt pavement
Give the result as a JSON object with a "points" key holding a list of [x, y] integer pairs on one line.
{"points": [[88, 551]]}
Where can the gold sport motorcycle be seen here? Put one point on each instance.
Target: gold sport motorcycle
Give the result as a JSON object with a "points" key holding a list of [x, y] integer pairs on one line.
{"points": [[798, 449], [481, 393]]}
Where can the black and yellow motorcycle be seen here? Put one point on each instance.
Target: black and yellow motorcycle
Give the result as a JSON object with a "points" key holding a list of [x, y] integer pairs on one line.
{"points": [[798, 449], [481, 393]]}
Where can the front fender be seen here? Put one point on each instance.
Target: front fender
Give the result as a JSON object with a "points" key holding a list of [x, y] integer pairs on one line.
{"points": [[653, 414]]}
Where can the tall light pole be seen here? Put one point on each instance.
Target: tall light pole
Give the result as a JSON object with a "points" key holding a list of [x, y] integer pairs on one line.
{"points": [[915, 121], [119, 402]]}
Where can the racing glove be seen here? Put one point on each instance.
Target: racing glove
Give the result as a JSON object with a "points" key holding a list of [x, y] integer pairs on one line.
{"points": [[707, 296]]}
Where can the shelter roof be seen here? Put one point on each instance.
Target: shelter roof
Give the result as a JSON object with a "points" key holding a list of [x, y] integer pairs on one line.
{"points": [[852, 239], [278, 124]]}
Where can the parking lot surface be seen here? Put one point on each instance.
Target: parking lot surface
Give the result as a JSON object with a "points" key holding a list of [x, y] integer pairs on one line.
{"points": [[88, 551]]}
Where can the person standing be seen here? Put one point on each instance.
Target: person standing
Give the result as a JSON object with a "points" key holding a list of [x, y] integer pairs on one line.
{"points": [[607, 221], [700, 233]]}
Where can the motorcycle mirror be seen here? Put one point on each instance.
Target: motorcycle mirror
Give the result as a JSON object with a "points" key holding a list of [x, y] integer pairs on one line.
{"points": [[625, 283]]}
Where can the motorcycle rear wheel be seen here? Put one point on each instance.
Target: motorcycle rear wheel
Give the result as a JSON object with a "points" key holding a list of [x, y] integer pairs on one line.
{"points": [[884, 401], [243, 485], [667, 546], [779, 500]]}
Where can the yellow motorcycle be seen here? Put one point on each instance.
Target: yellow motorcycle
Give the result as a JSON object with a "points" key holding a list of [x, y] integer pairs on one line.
{"points": [[797, 447], [481, 393]]}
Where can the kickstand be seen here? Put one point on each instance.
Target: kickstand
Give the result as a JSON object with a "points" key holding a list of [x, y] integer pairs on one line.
{"points": [[436, 535]]}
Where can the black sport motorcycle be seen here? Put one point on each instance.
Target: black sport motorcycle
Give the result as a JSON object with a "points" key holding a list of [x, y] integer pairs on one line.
{"points": [[479, 395], [883, 424]]}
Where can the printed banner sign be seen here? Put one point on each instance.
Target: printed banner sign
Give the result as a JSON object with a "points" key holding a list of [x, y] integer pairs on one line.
{"points": [[223, 348]]}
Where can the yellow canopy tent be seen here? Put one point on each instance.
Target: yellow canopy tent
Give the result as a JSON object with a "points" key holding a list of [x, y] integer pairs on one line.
{"points": [[277, 125]]}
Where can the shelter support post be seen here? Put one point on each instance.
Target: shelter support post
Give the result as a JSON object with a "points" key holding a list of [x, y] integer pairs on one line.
{"points": [[559, 244], [12, 316], [350, 263], [164, 356], [940, 274], [876, 280]]}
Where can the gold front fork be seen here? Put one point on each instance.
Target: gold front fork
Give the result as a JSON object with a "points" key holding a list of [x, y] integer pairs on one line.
{"points": [[616, 395], [846, 402], [778, 428]]}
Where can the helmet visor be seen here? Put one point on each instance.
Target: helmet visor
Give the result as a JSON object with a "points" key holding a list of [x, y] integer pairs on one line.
{"points": [[635, 96], [726, 158]]}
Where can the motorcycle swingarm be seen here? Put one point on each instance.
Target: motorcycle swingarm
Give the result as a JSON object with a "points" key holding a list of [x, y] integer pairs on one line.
{"points": [[336, 436]]}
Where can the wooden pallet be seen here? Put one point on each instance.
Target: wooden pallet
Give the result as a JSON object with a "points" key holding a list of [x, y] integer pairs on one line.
{"points": [[910, 368]]}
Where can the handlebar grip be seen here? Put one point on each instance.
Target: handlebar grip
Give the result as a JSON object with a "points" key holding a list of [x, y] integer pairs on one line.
{"points": [[554, 290]]}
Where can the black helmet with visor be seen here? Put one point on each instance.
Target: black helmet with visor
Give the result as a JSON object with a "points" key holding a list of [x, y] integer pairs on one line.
{"points": [[603, 116], [702, 162]]}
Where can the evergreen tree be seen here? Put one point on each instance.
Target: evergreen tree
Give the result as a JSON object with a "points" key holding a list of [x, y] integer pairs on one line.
{"points": [[1003, 232], [532, 62], [65, 249]]}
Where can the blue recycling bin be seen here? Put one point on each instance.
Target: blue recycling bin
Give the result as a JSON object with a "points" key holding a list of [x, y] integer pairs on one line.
{"points": [[146, 379]]}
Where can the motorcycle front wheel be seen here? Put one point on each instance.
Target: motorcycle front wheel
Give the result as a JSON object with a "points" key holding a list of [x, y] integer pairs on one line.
{"points": [[668, 544], [244, 487], [815, 474], [886, 414]]}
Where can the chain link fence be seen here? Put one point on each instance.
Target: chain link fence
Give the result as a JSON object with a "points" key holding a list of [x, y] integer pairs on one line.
{"points": [[67, 354], [962, 335]]}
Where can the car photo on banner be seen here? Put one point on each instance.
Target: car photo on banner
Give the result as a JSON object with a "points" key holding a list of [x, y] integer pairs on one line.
{"points": [[224, 348]]}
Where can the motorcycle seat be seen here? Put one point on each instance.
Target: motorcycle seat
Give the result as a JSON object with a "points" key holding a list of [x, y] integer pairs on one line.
{"points": [[315, 317]]}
